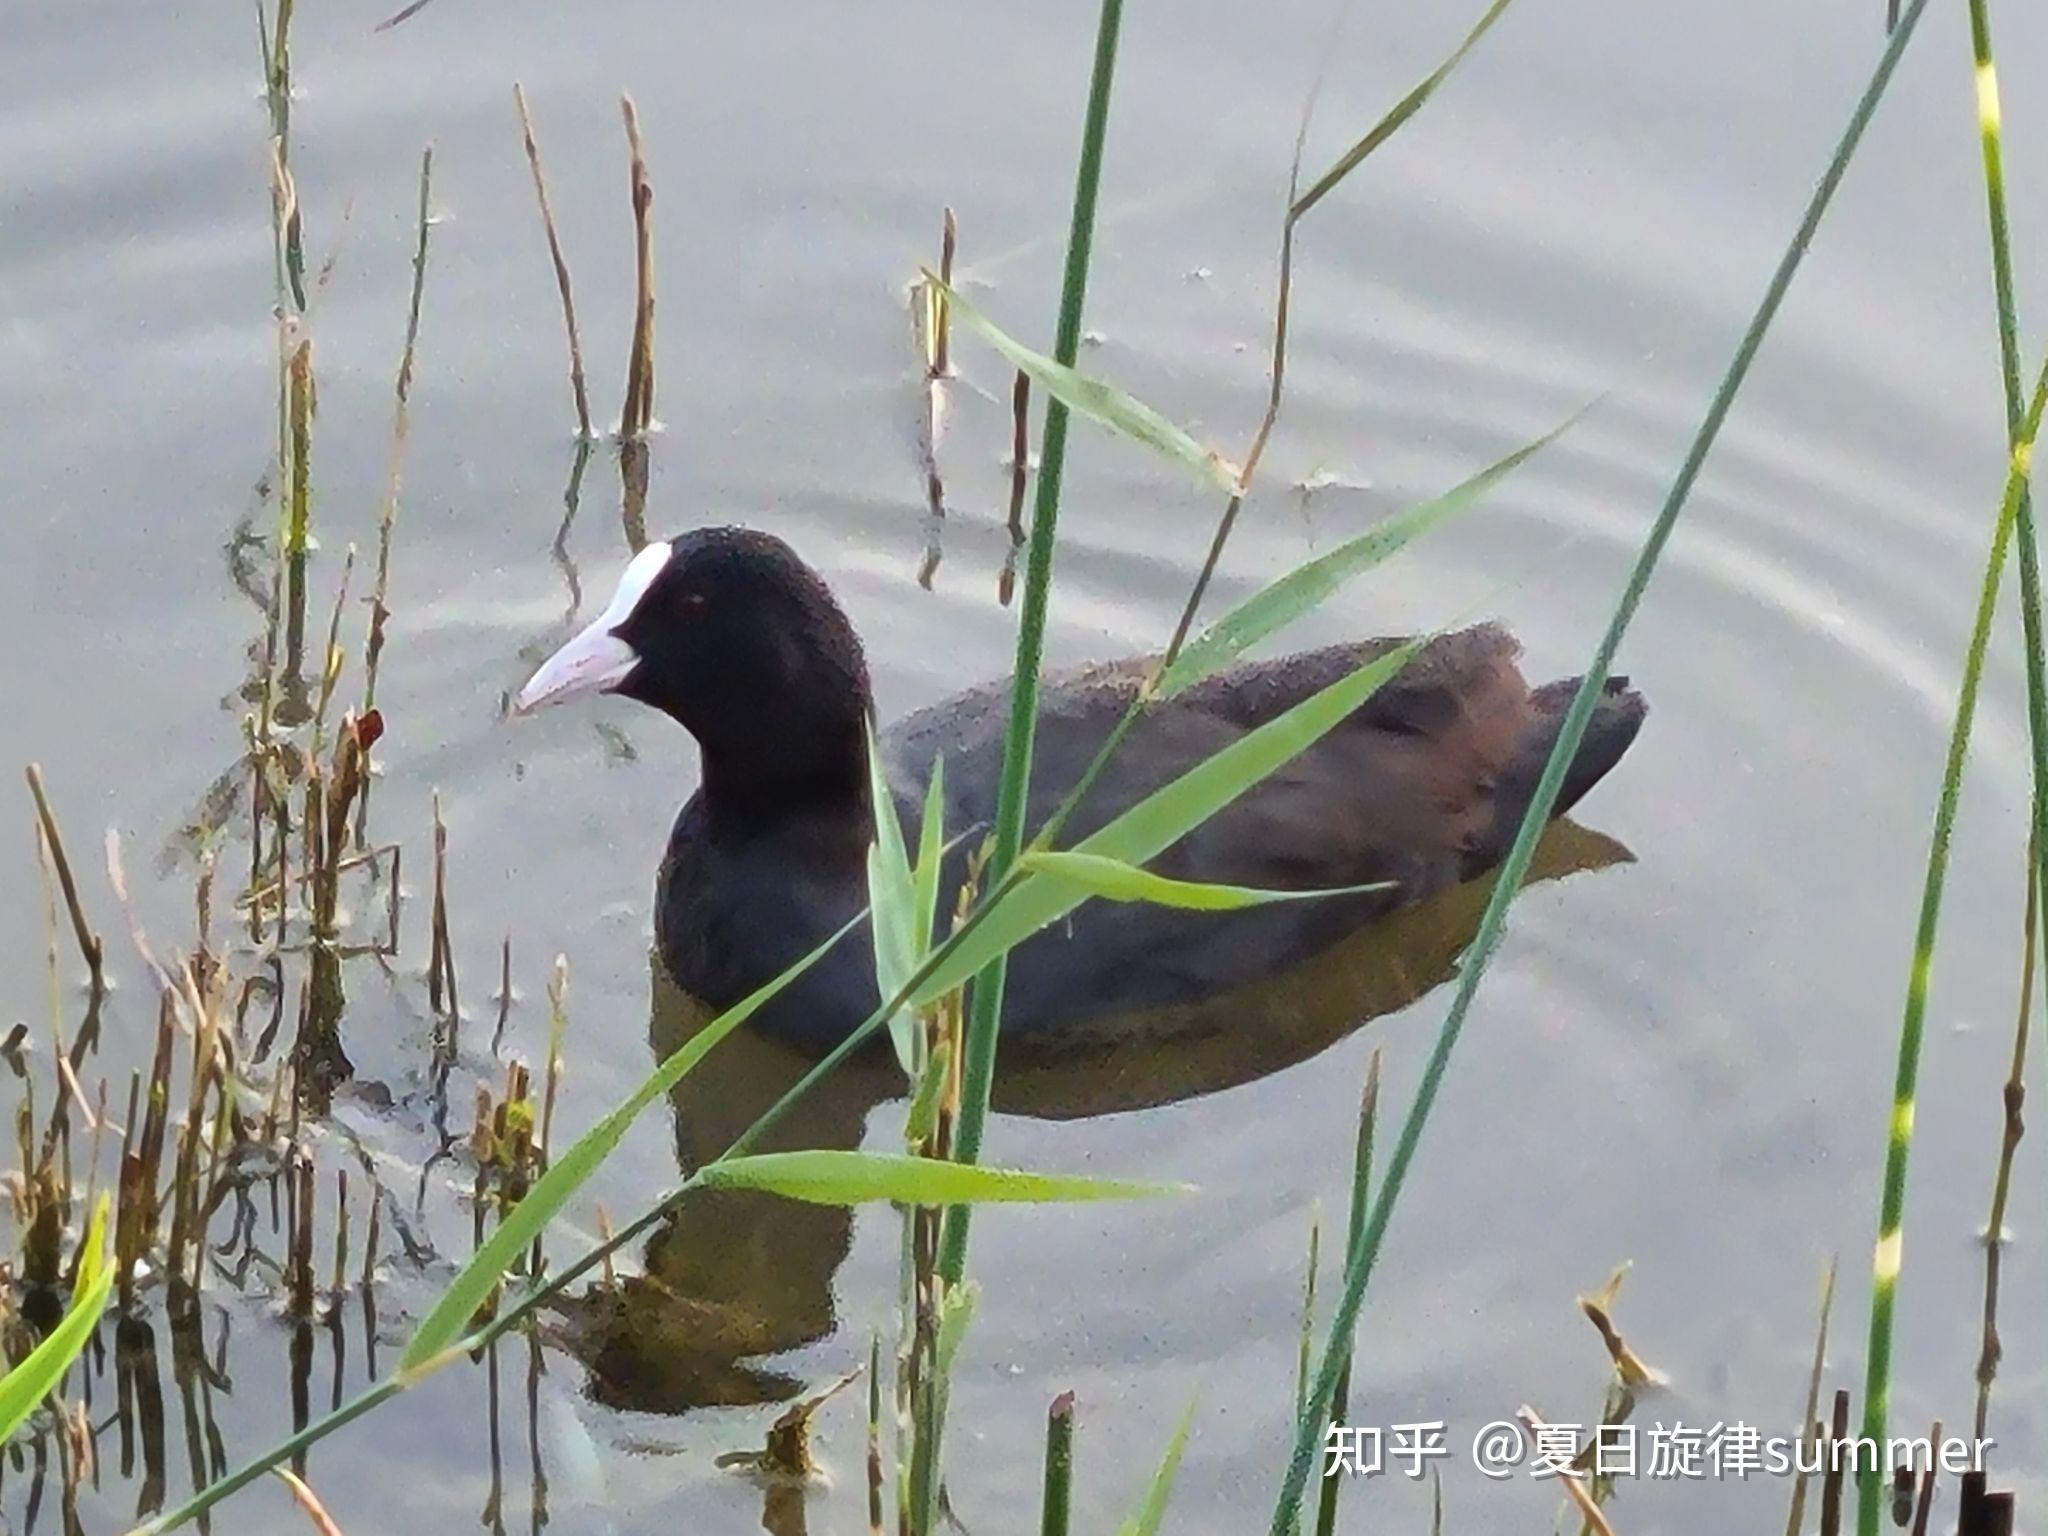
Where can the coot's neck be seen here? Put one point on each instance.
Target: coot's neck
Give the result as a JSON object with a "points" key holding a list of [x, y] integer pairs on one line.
{"points": [[815, 771]]}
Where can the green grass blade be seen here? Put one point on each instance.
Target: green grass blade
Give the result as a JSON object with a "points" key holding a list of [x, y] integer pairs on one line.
{"points": [[893, 903], [833, 1177], [931, 856], [1301, 1465], [1889, 1255], [452, 1314], [1869, 1493], [1403, 109], [1114, 880], [1146, 1519], [22, 1388], [1102, 403], [1308, 586], [1166, 815], [1013, 792]]}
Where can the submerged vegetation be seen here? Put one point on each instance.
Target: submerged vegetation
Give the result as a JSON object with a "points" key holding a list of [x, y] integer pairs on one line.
{"points": [[121, 1198]]}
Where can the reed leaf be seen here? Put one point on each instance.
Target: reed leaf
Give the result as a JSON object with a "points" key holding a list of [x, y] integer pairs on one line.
{"points": [[826, 1176], [1308, 586], [893, 901], [1164, 816], [1146, 1519], [1309, 1428], [453, 1313], [931, 854], [1114, 880], [25, 1386], [1402, 110], [1102, 403]]}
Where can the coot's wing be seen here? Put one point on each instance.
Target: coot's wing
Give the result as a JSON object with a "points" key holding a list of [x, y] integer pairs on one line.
{"points": [[1396, 793]]}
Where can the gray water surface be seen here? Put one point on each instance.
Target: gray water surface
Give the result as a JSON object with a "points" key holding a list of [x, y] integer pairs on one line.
{"points": [[1684, 1061]]}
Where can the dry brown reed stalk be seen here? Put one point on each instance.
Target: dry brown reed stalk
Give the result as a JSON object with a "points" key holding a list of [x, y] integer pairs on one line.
{"points": [[298, 519], [2013, 1098], [935, 327], [90, 947], [1809, 1419], [1020, 478], [1590, 1512], [633, 492], [1924, 1508], [441, 959], [1831, 1480], [401, 426], [504, 996], [577, 386], [604, 1236], [638, 414], [373, 1232]]}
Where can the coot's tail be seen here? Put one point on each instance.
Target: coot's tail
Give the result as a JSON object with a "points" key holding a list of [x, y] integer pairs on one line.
{"points": [[1617, 716]]}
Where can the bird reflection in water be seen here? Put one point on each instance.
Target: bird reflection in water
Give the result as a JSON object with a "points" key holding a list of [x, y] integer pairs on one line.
{"points": [[734, 1278]]}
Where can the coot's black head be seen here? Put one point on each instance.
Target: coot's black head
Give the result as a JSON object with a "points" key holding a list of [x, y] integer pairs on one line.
{"points": [[727, 631]]}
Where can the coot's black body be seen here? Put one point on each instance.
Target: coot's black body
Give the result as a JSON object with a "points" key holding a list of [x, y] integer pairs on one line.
{"points": [[732, 635]]}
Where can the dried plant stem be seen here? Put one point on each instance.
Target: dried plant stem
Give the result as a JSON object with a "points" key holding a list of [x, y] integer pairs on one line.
{"points": [[2014, 1098], [638, 414], [577, 386], [401, 425], [90, 947], [1808, 1420]]}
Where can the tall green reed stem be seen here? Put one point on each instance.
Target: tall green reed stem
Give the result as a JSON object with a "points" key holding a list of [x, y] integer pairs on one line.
{"points": [[1889, 1254], [985, 1015], [1890, 1249], [1309, 1431]]}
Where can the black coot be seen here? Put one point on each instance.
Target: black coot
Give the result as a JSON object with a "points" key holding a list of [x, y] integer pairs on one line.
{"points": [[728, 632]]}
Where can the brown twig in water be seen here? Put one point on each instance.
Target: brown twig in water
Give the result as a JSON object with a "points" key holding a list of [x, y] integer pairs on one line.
{"points": [[1020, 476], [638, 414], [1831, 1481], [1809, 1420], [89, 944], [441, 959], [2014, 1097], [504, 995], [1596, 1520], [936, 325], [547, 221], [401, 425]]}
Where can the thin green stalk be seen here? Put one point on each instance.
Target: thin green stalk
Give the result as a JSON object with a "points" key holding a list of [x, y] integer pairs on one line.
{"points": [[1886, 1261], [985, 1015], [1869, 1491], [1988, 122], [1361, 1193], [1308, 1433]]}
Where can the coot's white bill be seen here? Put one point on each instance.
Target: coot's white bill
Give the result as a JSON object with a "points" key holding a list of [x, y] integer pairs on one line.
{"points": [[596, 660]]}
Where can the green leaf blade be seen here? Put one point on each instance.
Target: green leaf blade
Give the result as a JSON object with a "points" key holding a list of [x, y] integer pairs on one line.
{"points": [[1101, 402], [833, 1177], [1309, 585], [24, 1387], [1166, 815], [450, 1317], [1114, 880], [1398, 115], [1147, 1518], [893, 901]]}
